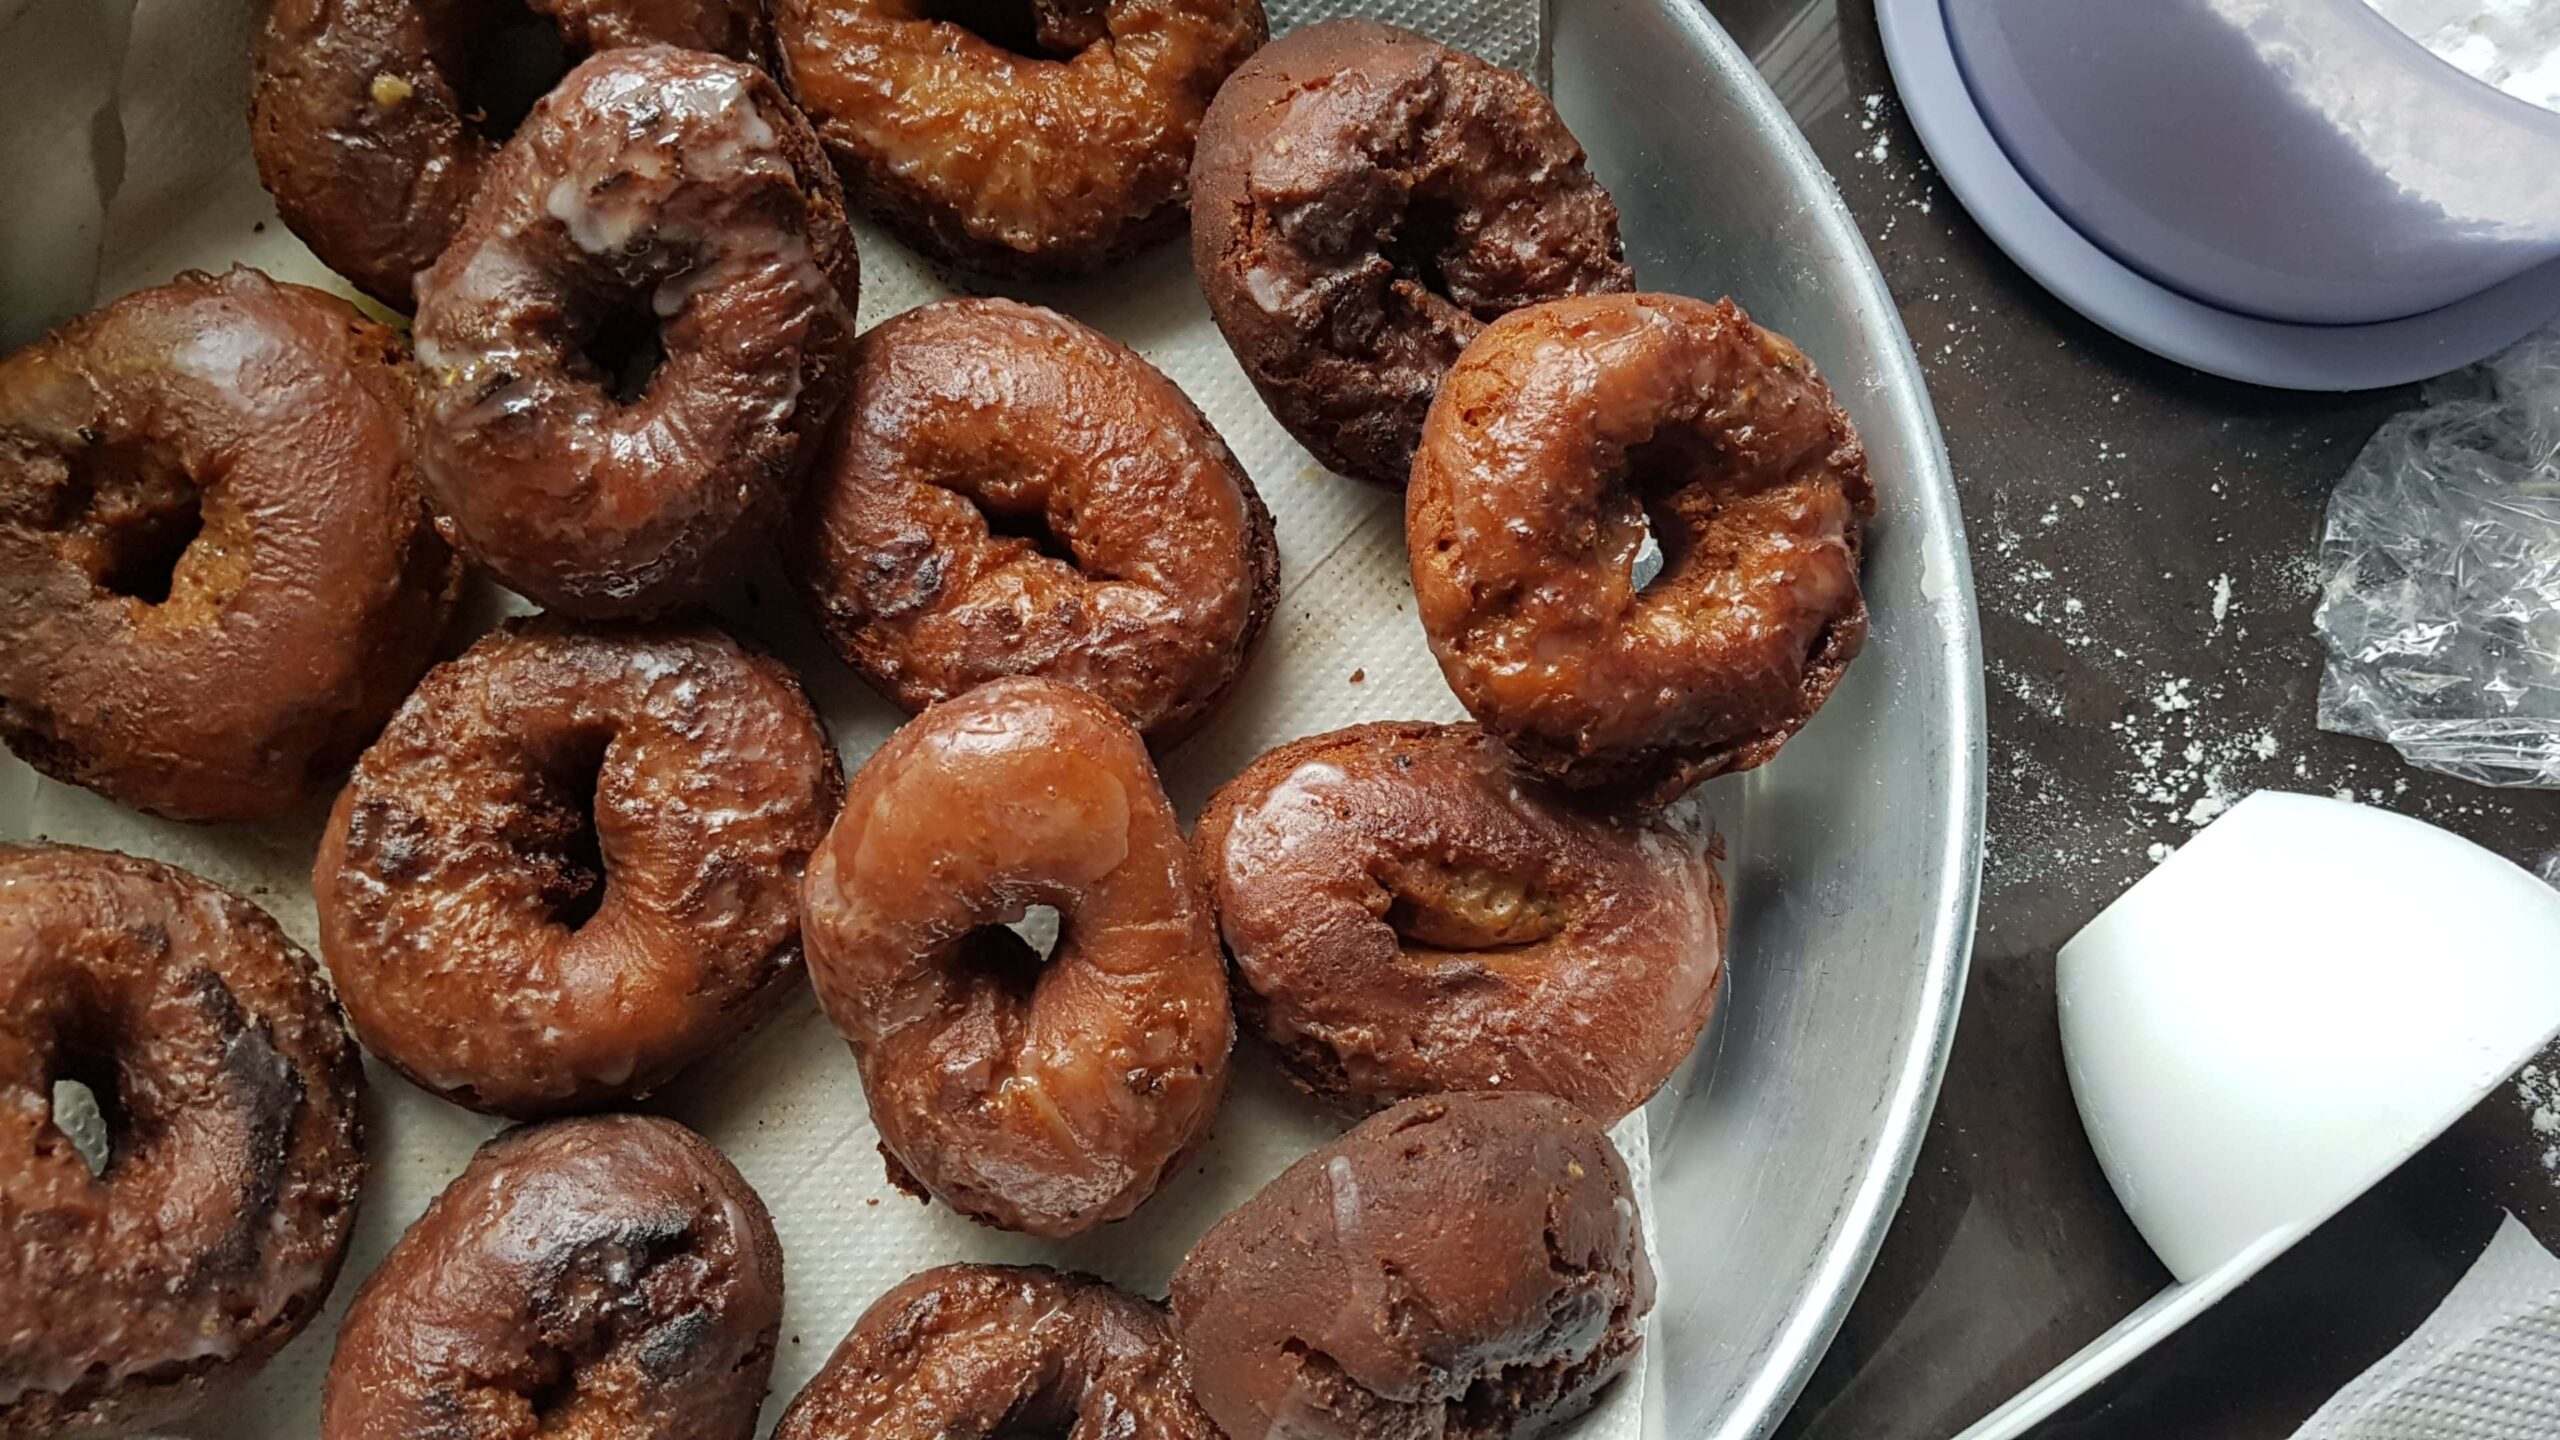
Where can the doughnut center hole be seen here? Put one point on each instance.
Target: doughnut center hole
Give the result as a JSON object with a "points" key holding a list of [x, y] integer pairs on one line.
{"points": [[1010, 25], [1011, 955], [86, 1110], [1658, 473], [1028, 523], [625, 347], [144, 545], [1039, 928], [1426, 231], [1470, 910], [510, 59], [566, 841]]}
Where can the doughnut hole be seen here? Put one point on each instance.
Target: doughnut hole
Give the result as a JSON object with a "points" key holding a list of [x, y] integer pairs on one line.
{"points": [[624, 350], [561, 839], [131, 518], [88, 1108], [1467, 908]]}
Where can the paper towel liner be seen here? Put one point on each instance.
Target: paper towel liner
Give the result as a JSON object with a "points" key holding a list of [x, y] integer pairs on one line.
{"points": [[785, 1106]]}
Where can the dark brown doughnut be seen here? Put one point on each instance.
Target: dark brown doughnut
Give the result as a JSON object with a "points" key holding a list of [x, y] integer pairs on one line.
{"points": [[1366, 200], [611, 1276], [665, 203], [1409, 914], [232, 1098], [1052, 152], [1460, 1266], [216, 578], [570, 867], [973, 421], [972, 1352], [1047, 1098], [1566, 432], [373, 121]]}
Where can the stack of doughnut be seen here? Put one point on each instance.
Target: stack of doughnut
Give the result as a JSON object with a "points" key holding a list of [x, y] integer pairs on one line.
{"points": [[589, 851]]}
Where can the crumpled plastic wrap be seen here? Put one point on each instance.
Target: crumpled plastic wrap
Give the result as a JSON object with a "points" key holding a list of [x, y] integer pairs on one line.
{"points": [[2441, 564]]}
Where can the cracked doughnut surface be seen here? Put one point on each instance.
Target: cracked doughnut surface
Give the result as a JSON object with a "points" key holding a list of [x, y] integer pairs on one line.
{"points": [[1565, 434], [603, 1278], [571, 865], [1367, 199], [972, 1352], [1013, 493], [1457, 1267], [1043, 1096], [1053, 150], [216, 575], [632, 349], [371, 121], [1409, 913], [232, 1100]]}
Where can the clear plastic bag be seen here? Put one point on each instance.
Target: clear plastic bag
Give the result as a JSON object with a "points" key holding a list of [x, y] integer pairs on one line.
{"points": [[2441, 565]]}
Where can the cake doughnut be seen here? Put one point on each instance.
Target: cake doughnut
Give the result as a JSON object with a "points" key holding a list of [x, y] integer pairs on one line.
{"points": [[637, 338], [216, 576], [974, 421], [610, 1275], [1463, 1265], [373, 121], [971, 1352], [1563, 435], [232, 1099], [570, 867], [1366, 199], [1049, 1097], [1055, 148], [1409, 913]]}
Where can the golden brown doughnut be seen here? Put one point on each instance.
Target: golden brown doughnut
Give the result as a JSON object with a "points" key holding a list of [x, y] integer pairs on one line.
{"points": [[570, 867], [216, 578], [1047, 1098], [1148, 567], [1564, 433]]}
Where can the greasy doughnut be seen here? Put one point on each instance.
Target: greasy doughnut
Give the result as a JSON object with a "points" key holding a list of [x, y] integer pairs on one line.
{"points": [[216, 578], [1464, 1266], [971, 1352], [571, 864], [974, 421], [1061, 145], [373, 121], [607, 1276], [635, 342], [1563, 435], [232, 1102], [1367, 200], [1047, 1098], [1409, 913]]}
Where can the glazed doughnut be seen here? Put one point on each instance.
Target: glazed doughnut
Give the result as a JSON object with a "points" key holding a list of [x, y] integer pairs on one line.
{"points": [[1038, 155], [1367, 200], [216, 578], [570, 867], [232, 1098], [1410, 914], [972, 421], [970, 1352], [636, 340], [1462, 1265], [373, 121], [606, 1276], [1047, 1098], [1563, 434]]}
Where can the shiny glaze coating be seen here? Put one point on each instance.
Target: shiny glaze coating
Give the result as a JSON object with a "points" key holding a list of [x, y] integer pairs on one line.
{"points": [[368, 117], [971, 1352], [974, 420], [571, 864], [657, 191], [232, 1097], [610, 1276], [1043, 163], [1458, 1267], [1410, 913], [239, 683], [1047, 1098], [1366, 200], [1563, 434]]}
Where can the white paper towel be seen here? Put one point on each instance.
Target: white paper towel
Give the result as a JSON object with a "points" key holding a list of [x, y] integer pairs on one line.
{"points": [[787, 1105], [2484, 1366]]}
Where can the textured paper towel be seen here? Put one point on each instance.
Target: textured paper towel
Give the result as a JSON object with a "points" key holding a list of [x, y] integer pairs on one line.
{"points": [[2484, 1366], [787, 1106]]}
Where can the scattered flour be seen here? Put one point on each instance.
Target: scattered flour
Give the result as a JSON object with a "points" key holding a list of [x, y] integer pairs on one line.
{"points": [[2512, 44]]}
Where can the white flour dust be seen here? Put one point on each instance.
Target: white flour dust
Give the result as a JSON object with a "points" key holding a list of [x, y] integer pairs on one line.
{"points": [[2512, 44]]}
